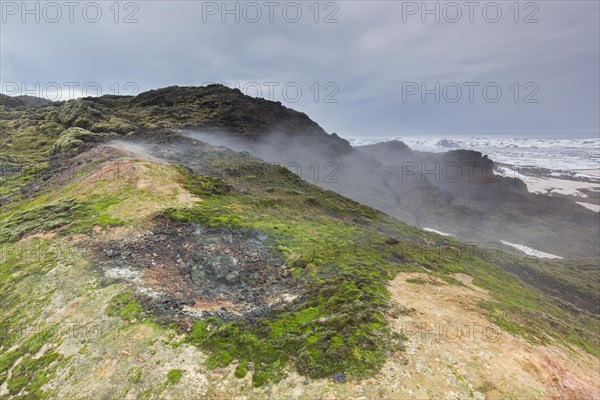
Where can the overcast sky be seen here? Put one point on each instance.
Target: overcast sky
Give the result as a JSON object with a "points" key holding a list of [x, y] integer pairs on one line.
{"points": [[361, 66]]}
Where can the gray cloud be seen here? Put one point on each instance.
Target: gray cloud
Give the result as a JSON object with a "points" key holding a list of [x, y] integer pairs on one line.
{"points": [[365, 57]]}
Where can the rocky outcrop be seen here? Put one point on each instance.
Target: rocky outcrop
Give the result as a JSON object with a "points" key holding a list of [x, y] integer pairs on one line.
{"points": [[22, 101], [219, 107], [73, 140], [389, 153]]}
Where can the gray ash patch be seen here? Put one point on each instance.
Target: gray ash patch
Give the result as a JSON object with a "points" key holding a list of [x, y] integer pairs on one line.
{"points": [[187, 271]]}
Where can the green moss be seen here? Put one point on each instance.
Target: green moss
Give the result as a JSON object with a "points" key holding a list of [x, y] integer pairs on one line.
{"points": [[456, 374], [23, 266], [241, 370], [78, 113], [31, 374], [174, 376], [27, 138], [219, 359], [422, 281], [73, 139], [72, 371], [417, 281], [259, 378], [126, 306], [202, 185], [342, 330], [135, 374], [113, 125], [41, 217], [6, 362], [14, 175]]}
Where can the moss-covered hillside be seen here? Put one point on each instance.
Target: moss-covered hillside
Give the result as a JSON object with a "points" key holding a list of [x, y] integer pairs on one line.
{"points": [[139, 263], [105, 285], [29, 130]]}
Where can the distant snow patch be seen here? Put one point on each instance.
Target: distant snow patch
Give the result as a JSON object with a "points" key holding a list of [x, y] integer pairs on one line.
{"points": [[530, 251], [590, 206], [438, 232], [542, 185]]}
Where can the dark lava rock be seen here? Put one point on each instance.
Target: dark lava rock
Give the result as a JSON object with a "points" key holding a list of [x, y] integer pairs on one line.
{"points": [[300, 263], [4, 200], [233, 277], [199, 274], [192, 268], [392, 240], [111, 253], [447, 144], [339, 377], [286, 274], [222, 289]]}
